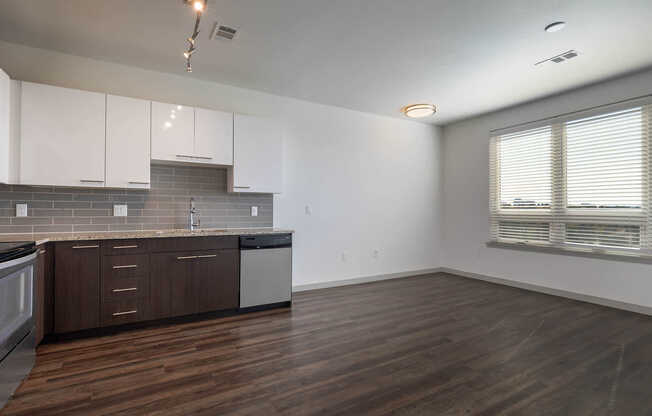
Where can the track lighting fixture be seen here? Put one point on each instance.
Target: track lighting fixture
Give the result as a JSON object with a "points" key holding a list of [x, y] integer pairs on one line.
{"points": [[199, 6]]}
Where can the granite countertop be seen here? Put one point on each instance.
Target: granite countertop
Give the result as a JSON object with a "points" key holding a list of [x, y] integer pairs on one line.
{"points": [[121, 235]]}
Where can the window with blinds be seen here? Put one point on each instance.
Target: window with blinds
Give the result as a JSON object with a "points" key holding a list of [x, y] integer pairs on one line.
{"points": [[577, 182]]}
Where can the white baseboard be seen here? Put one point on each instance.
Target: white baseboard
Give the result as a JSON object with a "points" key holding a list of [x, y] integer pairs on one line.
{"points": [[363, 279], [646, 310]]}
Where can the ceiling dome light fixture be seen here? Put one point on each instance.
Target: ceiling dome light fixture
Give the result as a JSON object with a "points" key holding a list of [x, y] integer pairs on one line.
{"points": [[555, 27], [419, 110]]}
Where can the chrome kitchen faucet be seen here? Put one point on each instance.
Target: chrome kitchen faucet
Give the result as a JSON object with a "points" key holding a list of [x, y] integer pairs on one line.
{"points": [[194, 215]]}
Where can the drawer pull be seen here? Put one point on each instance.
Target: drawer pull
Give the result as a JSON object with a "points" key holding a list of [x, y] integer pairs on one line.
{"points": [[120, 247], [82, 247], [125, 313], [127, 289], [126, 266], [205, 256], [138, 183], [186, 257]]}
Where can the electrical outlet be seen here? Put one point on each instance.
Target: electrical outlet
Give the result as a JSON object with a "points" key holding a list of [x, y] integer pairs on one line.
{"points": [[375, 254], [308, 210], [344, 257], [254, 211], [21, 210], [120, 210]]}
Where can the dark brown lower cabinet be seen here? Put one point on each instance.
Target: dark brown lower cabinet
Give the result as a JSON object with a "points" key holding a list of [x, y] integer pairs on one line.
{"points": [[39, 293], [76, 286], [100, 284], [48, 295], [217, 281], [167, 281], [185, 283]]}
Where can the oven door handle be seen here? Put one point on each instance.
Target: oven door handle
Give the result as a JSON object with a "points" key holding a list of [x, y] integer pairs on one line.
{"points": [[8, 267]]}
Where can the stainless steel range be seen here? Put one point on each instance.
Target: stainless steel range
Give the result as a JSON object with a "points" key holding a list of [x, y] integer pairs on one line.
{"points": [[17, 335]]}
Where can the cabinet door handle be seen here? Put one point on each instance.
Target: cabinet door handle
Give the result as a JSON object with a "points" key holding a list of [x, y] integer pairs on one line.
{"points": [[125, 313], [195, 157], [242, 187], [205, 256], [128, 289], [90, 181], [82, 247], [186, 257], [119, 247], [126, 266], [137, 183]]}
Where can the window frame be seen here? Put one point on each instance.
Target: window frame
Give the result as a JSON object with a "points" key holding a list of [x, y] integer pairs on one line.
{"points": [[558, 214]]}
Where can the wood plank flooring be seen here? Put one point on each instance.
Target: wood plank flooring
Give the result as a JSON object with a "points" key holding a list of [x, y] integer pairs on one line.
{"points": [[426, 345]]}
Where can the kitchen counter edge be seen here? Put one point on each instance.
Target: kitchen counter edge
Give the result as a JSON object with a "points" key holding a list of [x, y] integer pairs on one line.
{"points": [[42, 238]]}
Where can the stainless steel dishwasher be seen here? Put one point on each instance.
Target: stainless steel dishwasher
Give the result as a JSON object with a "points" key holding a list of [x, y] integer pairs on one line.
{"points": [[265, 269]]}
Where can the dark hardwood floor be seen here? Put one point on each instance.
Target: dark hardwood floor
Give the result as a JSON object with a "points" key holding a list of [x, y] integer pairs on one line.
{"points": [[426, 345]]}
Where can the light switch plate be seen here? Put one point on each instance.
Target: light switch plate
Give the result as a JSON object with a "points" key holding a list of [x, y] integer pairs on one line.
{"points": [[254, 211], [21, 210], [119, 210]]}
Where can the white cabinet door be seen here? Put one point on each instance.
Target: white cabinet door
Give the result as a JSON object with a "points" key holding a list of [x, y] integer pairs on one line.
{"points": [[127, 142], [173, 131], [257, 155], [213, 137], [62, 136]]}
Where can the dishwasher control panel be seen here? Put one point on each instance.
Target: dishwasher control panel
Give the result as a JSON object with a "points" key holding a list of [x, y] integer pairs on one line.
{"points": [[257, 242]]}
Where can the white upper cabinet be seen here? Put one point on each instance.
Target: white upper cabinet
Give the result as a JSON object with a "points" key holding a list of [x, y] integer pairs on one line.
{"points": [[62, 136], [257, 155], [173, 131], [191, 135], [213, 137], [127, 142]]}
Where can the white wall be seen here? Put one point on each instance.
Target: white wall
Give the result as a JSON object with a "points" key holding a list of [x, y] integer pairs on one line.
{"points": [[372, 182], [466, 205]]}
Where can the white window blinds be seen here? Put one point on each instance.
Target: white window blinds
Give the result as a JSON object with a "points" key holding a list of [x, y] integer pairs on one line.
{"points": [[576, 182]]}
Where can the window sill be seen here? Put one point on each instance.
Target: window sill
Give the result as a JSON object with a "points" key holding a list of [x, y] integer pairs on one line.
{"points": [[630, 258]]}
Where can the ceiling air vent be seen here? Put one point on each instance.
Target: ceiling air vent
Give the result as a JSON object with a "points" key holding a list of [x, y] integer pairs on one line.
{"points": [[223, 32], [562, 57]]}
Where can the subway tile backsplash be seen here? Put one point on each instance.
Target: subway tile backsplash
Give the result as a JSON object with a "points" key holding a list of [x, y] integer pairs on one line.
{"points": [[164, 206]]}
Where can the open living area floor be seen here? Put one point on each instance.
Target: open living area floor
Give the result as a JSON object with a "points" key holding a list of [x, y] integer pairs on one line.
{"points": [[435, 344]]}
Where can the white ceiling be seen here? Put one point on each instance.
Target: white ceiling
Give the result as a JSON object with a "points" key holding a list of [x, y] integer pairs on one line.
{"points": [[466, 56]]}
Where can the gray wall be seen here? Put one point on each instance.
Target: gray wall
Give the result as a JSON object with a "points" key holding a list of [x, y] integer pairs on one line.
{"points": [[164, 206]]}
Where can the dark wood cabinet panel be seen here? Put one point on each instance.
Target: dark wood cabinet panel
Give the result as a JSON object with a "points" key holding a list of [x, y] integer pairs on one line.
{"points": [[39, 293], [125, 287], [217, 281], [130, 265], [122, 247], [76, 286], [177, 244], [185, 283], [183, 300], [166, 273], [48, 296], [123, 311]]}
